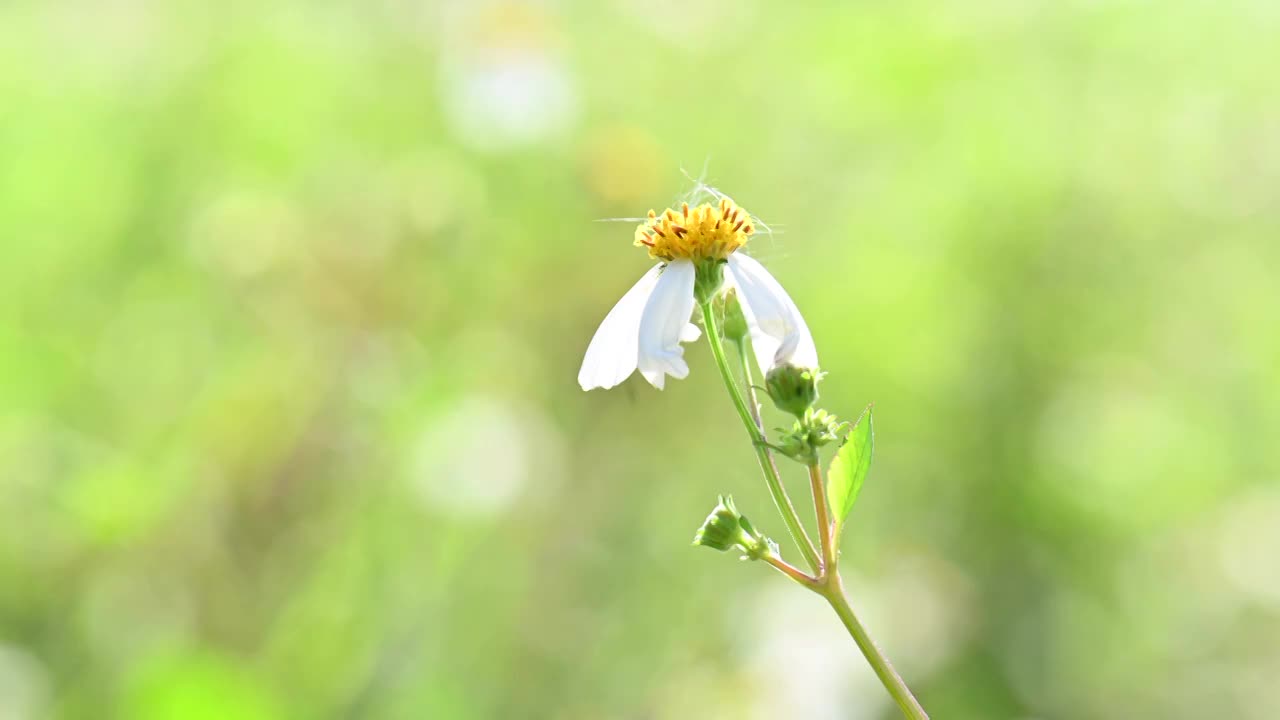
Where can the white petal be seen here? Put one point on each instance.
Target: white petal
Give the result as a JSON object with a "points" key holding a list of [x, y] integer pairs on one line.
{"points": [[663, 324], [611, 357], [778, 331], [656, 378]]}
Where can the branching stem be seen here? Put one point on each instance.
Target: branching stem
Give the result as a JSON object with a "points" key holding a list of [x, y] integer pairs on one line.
{"points": [[793, 572], [826, 578], [763, 455]]}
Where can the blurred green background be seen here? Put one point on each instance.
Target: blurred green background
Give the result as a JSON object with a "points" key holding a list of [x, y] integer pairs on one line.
{"points": [[293, 296]]}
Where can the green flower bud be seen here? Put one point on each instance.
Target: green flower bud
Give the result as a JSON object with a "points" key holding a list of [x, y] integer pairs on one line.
{"points": [[793, 389], [734, 324], [794, 443], [725, 528], [823, 427]]}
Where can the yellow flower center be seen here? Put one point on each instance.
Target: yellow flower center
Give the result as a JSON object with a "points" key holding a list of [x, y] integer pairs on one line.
{"points": [[706, 231]]}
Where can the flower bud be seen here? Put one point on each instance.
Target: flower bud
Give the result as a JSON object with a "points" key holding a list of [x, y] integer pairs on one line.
{"points": [[793, 389], [726, 528], [734, 325], [807, 435]]}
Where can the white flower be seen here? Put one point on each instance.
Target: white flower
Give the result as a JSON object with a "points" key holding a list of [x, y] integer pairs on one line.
{"points": [[645, 329]]}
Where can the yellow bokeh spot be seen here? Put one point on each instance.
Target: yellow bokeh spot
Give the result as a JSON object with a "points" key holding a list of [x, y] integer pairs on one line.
{"points": [[706, 231]]}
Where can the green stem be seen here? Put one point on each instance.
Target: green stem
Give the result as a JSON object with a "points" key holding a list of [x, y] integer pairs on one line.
{"points": [[765, 459], [834, 594], [744, 362], [743, 346], [824, 519], [826, 581], [793, 572]]}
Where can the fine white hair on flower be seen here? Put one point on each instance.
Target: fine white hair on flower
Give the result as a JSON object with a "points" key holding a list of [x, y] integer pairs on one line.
{"points": [[702, 192]]}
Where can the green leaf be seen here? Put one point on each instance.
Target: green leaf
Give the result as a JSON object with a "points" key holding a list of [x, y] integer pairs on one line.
{"points": [[849, 467]]}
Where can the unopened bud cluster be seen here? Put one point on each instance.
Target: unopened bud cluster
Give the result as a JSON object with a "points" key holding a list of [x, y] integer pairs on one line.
{"points": [[810, 432], [726, 528], [794, 390]]}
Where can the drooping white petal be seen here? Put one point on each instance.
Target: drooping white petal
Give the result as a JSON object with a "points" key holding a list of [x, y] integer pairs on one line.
{"points": [[778, 331], [612, 355], [657, 378], [664, 324]]}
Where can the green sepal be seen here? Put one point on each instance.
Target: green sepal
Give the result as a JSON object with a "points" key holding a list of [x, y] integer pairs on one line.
{"points": [[707, 279]]}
